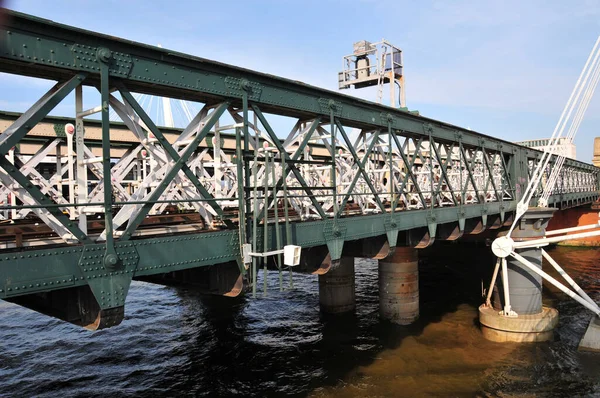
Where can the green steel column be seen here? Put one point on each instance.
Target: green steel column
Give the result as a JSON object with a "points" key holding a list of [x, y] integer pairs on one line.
{"points": [[266, 221], [333, 165], [254, 216], [277, 234], [240, 186], [391, 175], [288, 230], [245, 87], [110, 255]]}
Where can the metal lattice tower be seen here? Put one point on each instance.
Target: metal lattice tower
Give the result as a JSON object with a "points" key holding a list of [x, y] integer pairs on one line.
{"points": [[374, 64]]}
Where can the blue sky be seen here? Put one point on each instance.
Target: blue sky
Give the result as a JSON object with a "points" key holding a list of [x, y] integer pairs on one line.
{"points": [[504, 68]]}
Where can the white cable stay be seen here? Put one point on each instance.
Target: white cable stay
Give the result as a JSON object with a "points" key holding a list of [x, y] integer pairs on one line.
{"points": [[542, 164], [504, 246]]}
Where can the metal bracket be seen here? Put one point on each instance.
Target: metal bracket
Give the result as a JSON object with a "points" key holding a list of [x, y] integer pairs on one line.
{"points": [[237, 87], [484, 216], [334, 234], [461, 220], [88, 57], [432, 225], [427, 128], [391, 230], [109, 287], [328, 105], [387, 118]]}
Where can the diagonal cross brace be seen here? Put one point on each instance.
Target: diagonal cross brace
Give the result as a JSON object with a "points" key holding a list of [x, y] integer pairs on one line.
{"points": [[360, 165], [38, 111], [490, 174], [295, 156], [444, 169], [179, 162], [43, 200], [409, 169], [470, 167], [173, 153], [293, 167]]}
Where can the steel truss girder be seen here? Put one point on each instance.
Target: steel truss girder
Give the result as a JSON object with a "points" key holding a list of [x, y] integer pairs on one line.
{"points": [[19, 274]]}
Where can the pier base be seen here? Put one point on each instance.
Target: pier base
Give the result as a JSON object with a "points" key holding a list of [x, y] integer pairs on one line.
{"points": [[336, 288], [534, 322], [522, 329], [399, 286]]}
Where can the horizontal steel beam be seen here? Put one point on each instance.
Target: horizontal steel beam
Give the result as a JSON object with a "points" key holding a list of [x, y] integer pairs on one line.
{"points": [[38, 47], [58, 267]]}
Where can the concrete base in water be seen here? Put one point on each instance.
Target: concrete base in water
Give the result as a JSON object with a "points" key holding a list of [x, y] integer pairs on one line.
{"points": [[591, 339], [399, 286], [336, 288], [522, 329]]}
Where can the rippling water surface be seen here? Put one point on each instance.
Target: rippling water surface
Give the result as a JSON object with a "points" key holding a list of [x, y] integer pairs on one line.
{"points": [[174, 342]]}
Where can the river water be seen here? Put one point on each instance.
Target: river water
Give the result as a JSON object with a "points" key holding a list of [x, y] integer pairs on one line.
{"points": [[174, 342]]}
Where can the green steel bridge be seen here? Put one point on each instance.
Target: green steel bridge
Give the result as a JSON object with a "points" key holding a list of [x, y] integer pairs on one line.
{"points": [[89, 205]]}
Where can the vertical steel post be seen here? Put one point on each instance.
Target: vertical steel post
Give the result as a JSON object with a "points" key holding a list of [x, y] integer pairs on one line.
{"points": [[266, 221], [254, 215], [217, 160], [390, 157], [277, 235], [288, 231], [71, 175], [110, 256], [58, 172], [240, 186], [245, 86], [13, 197], [333, 162], [82, 193], [461, 159], [431, 170]]}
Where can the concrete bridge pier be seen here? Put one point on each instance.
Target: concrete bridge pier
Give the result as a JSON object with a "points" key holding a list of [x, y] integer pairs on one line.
{"points": [[534, 322], [336, 288], [399, 286]]}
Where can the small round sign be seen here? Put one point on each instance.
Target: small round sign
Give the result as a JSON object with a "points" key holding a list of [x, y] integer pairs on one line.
{"points": [[69, 129]]}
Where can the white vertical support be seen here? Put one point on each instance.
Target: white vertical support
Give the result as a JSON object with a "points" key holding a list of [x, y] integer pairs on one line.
{"points": [[82, 188], [58, 173], [71, 169], [507, 308], [13, 197], [392, 78], [217, 162], [402, 92], [167, 112]]}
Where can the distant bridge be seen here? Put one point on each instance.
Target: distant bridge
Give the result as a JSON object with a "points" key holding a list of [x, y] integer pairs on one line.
{"points": [[89, 205]]}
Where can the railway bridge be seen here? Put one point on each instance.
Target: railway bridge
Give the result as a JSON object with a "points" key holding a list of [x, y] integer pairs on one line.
{"points": [[88, 205]]}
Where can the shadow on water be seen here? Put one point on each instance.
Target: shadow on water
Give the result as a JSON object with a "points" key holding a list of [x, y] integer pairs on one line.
{"points": [[175, 342]]}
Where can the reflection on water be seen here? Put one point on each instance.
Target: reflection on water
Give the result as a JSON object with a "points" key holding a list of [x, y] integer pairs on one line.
{"points": [[174, 342]]}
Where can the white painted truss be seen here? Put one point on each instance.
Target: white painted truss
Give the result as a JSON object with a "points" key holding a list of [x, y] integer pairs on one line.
{"points": [[372, 174]]}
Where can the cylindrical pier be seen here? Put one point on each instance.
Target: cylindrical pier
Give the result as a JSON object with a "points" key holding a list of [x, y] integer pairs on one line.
{"points": [[336, 288], [525, 285], [533, 322], [399, 286]]}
